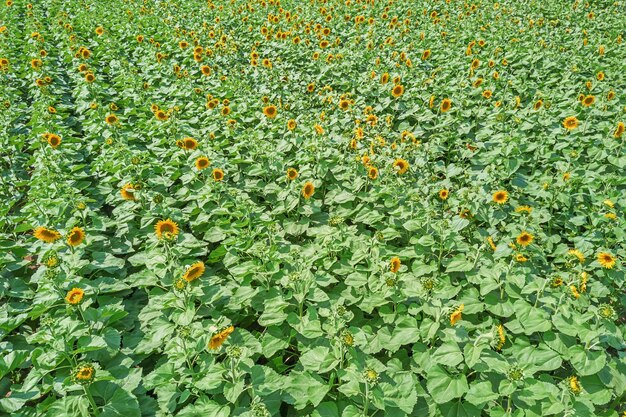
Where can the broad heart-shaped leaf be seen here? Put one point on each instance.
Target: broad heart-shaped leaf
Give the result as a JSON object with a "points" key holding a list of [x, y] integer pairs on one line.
{"points": [[459, 409], [460, 263], [531, 318], [536, 358], [352, 411], [302, 388], [444, 387], [402, 393], [480, 393], [204, 407], [448, 354], [318, 359], [595, 389], [404, 332], [326, 409], [70, 406], [587, 362], [118, 402]]}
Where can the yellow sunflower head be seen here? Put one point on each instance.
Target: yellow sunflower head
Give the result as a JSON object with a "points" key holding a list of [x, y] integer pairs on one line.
{"points": [[46, 235], [128, 192], [218, 339], [218, 174], [270, 111], [194, 272], [76, 236], [446, 104], [397, 91], [401, 166], [166, 229], [202, 163], [500, 197], [570, 123], [54, 140], [292, 174], [307, 190], [74, 296]]}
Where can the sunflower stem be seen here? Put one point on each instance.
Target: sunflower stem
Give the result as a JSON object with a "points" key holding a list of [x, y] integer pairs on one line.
{"points": [[91, 400]]}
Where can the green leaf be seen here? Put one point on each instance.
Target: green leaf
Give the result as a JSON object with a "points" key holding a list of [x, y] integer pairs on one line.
{"points": [[319, 359], [480, 393], [304, 388], [444, 387], [460, 263], [587, 362], [448, 354]]}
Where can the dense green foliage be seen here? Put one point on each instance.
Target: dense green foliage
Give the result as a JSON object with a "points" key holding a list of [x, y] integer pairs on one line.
{"points": [[321, 208]]}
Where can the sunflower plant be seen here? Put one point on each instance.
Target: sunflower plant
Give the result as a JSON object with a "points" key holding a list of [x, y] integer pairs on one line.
{"points": [[338, 208]]}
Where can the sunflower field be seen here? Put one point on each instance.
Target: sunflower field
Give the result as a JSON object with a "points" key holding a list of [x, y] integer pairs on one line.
{"points": [[322, 208]]}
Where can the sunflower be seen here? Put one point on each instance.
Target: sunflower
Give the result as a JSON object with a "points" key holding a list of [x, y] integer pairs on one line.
{"points": [[492, 244], [218, 339], [111, 119], [521, 258], [487, 94], [401, 166], [218, 174], [578, 254], [524, 239], [372, 173], [54, 140], [425, 54], [600, 76], [344, 104], [588, 100], [500, 197], [46, 235], [194, 272], [270, 111], [384, 79], [456, 315], [570, 123], [74, 296], [36, 63], [501, 336], [84, 374], [292, 174], [606, 259], [76, 236], [190, 144], [319, 129], [446, 104], [128, 192], [397, 91], [206, 70], [524, 209], [444, 194], [89, 77], [161, 115], [619, 130], [291, 124], [307, 190], [538, 105], [202, 163], [610, 95], [573, 385], [99, 30], [477, 82], [394, 264], [556, 282], [225, 111], [166, 229], [310, 87]]}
